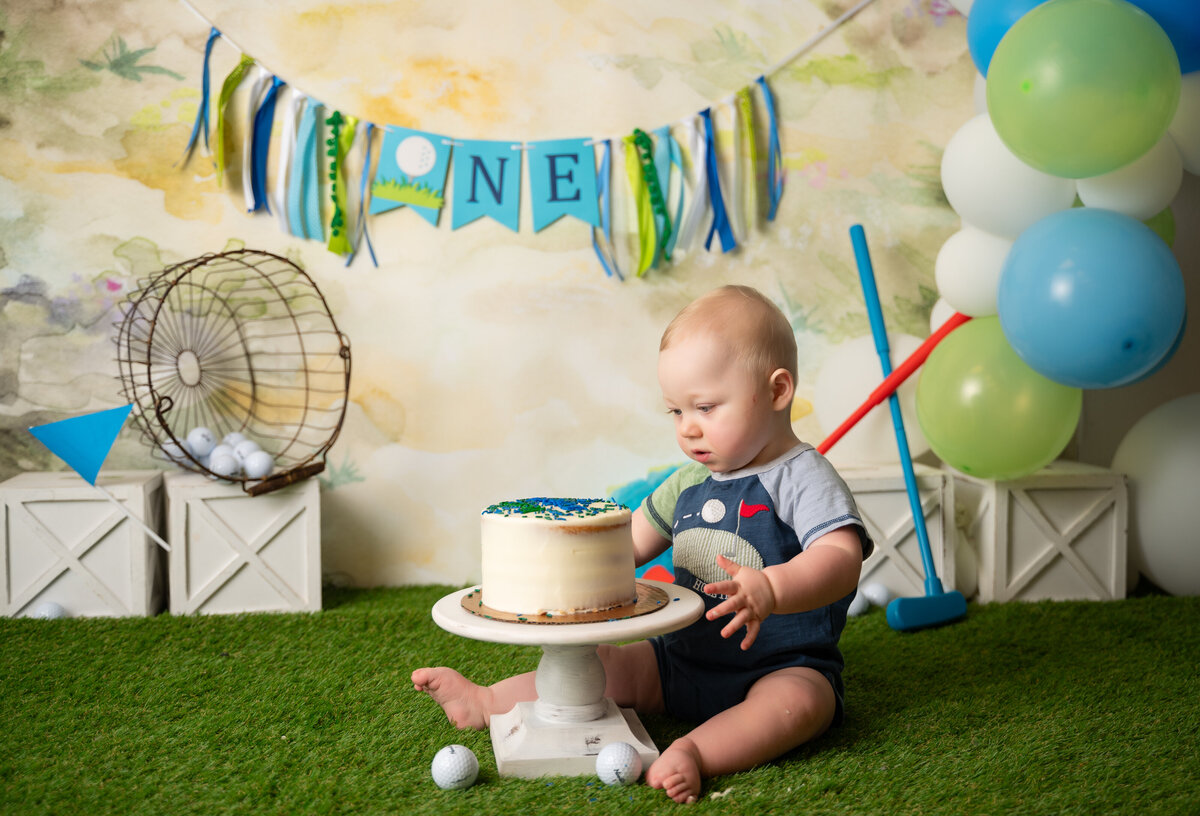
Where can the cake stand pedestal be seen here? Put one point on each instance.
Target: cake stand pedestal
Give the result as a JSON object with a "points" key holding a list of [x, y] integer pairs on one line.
{"points": [[562, 731]]}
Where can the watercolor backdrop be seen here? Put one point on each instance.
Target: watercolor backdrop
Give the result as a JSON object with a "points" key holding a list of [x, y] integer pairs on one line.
{"points": [[487, 364]]}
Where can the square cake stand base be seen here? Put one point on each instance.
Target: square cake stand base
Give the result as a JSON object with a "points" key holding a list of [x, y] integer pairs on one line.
{"points": [[528, 746]]}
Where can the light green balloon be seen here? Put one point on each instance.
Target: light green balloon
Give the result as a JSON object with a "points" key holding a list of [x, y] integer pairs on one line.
{"points": [[1164, 225], [988, 414], [1078, 88]]}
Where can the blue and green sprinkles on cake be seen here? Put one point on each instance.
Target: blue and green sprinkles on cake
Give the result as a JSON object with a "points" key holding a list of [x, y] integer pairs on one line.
{"points": [[552, 509]]}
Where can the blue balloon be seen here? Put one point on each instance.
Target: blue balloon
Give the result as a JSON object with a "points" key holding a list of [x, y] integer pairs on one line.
{"points": [[1091, 298], [1180, 19], [987, 24]]}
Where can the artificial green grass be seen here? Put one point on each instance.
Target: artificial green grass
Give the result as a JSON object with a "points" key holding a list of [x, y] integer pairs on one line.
{"points": [[1021, 708]]}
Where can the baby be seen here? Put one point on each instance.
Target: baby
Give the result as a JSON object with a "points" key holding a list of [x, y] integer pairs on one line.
{"points": [[762, 526]]}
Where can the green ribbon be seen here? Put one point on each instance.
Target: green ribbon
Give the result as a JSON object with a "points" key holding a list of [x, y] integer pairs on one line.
{"points": [[645, 212], [227, 88], [658, 198], [749, 138], [341, 137]]}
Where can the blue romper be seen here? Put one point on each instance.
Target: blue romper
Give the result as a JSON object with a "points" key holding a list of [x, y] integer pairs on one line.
{"points": [[756, 517]]}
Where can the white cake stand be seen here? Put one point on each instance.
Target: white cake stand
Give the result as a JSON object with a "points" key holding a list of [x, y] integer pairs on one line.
{"points": [[562, 731]]}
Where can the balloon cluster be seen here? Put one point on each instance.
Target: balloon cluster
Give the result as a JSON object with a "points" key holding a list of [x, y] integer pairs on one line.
{"points": [[1063, 181]]}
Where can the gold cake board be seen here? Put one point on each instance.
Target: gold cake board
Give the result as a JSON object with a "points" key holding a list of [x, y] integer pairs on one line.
{"points": [[649, 599]]}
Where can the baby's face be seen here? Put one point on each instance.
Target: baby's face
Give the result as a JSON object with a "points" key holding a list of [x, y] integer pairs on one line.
{"points": [[722, 413]]}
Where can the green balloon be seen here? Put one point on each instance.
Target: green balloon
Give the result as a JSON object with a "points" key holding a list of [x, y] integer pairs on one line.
{"points": [[988, 414], [1078, 88], [1164, 225]]}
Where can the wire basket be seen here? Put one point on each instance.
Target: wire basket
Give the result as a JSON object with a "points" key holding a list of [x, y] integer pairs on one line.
{"points": [[237, 342]]}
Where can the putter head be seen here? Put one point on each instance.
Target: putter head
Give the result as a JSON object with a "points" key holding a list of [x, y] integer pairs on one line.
{"points": [[911, 614]]}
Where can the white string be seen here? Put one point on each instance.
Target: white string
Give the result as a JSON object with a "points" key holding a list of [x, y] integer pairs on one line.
{"points": [[801, 49]]}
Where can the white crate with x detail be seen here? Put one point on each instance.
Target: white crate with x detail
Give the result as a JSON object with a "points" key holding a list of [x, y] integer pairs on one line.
{"points": [[64, 542], [231, 552], [883, 503]]}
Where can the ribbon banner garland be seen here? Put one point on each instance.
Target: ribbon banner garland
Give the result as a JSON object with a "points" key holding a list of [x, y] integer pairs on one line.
{"points": [[675, 185]]}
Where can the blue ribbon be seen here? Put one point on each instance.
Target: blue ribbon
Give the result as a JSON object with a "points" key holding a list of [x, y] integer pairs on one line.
{"points": [[202, 113], [360, 228], [264, 120], [667, 153], [602, 185], [774, 153], [304, 202], [720, 222]]}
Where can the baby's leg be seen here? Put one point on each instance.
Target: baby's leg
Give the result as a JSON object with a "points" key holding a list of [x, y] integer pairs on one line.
{"points": [[467, 704], [631, 673], [782, 710]]}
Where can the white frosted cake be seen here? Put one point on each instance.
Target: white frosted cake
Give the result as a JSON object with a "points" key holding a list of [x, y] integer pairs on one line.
{"points": [[547, 556]]}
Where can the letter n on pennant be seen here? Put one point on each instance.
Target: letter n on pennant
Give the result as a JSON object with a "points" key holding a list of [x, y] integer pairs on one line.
{"points": [[487, 181]]}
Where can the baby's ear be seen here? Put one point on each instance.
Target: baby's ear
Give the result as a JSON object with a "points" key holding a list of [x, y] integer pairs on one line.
{"points": [[783, 389]]}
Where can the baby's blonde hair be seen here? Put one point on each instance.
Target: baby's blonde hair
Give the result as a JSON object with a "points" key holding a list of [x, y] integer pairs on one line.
{"points": [[759, 335]]}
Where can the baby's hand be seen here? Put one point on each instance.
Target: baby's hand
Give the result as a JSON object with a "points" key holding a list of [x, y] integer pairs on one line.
{"points": [[751, 599]]}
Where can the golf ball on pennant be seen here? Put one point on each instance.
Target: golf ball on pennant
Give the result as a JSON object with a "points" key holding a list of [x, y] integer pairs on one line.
{"points": [[618, 763], [454, 768]]}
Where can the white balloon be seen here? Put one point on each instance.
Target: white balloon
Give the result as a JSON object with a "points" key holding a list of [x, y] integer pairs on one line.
{"points": [[1160, 455], [968, 268], [847, 377], [1140, 189], [941, 312], [992, 189], [1185, 127]]}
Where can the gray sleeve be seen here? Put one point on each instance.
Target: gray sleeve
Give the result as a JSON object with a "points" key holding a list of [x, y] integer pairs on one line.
{"points": [[811, 498]]}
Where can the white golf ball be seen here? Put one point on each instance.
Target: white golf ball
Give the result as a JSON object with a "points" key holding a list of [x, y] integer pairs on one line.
{"points": [[859, 606], [876, 593], [224, 447], [244, 448], [49, 610], [201, 442], [224, 465], [618, 763], [233, 438], [174, 451], [258, 465], [454, 768]]}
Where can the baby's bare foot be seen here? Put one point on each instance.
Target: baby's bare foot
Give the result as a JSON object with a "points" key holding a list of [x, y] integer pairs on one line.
{"points": [[466, 704], [677, 771]]}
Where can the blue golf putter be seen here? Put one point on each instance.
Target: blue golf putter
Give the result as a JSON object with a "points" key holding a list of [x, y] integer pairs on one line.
{"points": [[937, 607]]}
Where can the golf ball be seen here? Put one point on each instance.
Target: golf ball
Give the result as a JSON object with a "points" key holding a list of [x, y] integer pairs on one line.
{"points": [[244, 448], [454, 768], [224, 465], [49, 610], [201, 441], [859, 606], [876, 593], [258, 465], [618, 763], [233, 438]]}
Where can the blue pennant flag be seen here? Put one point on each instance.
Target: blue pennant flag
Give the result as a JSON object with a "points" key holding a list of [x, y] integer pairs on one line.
{"points": [[411, 171], [487, 181], [562, 181], [83, 442]]}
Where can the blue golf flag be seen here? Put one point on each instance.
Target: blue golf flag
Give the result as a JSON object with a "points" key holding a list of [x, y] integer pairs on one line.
{"points": [[83, 442]]}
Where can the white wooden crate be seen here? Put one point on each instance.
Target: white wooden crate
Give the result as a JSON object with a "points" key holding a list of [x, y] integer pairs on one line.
{"points": [[231, 552], [1058, 534], [883, 503], [64, 542]]}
